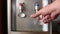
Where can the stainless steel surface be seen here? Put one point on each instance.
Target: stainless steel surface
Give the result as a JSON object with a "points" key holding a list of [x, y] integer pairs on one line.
{"points": [[29, 33], [27, 20], [27, 23]]}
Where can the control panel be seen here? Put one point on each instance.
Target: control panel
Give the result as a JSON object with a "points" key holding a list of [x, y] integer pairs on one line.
{"points": [[21, 20], [24, 8]]}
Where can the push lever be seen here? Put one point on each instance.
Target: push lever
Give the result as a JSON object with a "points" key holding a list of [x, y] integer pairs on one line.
{"points": [[44, 26], [21, 9]]}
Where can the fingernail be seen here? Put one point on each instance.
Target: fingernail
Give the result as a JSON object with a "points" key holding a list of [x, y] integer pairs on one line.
{"points": [[32, 16]]}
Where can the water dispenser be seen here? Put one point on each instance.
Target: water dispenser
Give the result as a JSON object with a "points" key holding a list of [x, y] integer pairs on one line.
{"points": [[20, 20]]}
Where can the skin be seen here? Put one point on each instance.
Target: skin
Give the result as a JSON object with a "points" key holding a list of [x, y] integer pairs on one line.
{"points": [[50, 12]]}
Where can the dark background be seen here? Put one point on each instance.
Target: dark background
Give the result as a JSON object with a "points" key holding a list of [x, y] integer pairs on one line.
{"points": [[0, 17], [4, 16]]}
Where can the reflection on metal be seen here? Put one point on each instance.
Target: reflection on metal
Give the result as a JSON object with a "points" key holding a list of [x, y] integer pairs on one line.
{"points": [[21, 15], [13, 15]]}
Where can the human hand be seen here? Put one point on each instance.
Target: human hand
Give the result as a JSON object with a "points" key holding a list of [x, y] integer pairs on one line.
{"points": [[49, 12]]}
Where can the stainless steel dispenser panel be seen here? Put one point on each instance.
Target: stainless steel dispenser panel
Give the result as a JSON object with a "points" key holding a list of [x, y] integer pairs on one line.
{"points": [[21, 20], [27, 23]]}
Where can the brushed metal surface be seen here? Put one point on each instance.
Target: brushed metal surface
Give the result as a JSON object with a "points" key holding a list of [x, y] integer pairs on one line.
{"points": [[29, 33], [18, 19], [27, 23]]}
